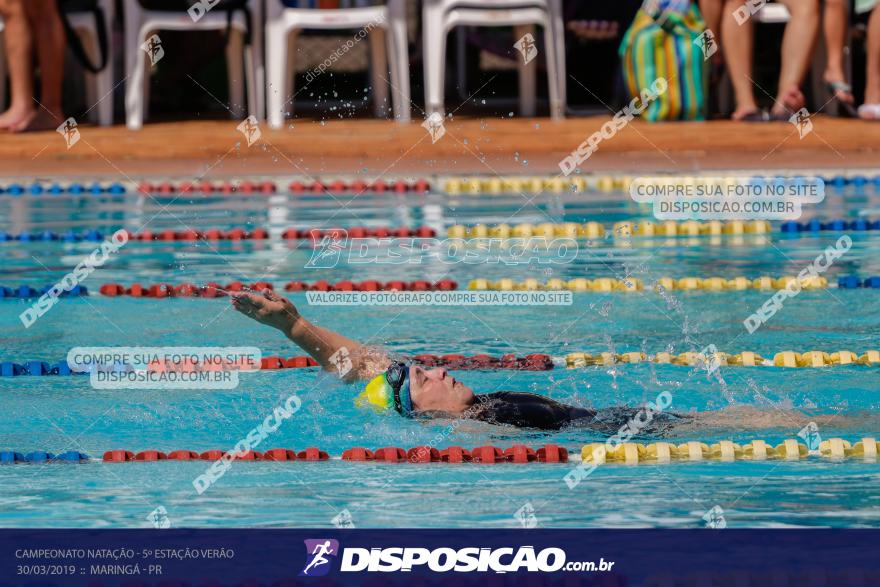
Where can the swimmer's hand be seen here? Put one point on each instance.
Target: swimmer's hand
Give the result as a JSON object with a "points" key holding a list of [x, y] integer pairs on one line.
{"points": [[330, 349], [267, 307]]}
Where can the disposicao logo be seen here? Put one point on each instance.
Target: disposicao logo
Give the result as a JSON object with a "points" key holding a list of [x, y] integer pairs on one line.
{"points": [[317, 553]]}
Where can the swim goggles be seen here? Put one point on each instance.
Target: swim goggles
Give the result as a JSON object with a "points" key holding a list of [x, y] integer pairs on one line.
{"points": [[389, 390]]}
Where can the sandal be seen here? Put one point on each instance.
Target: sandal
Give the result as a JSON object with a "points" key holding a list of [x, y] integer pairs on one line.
{"points": [[845, 109], [869, 111], [755, 116]]}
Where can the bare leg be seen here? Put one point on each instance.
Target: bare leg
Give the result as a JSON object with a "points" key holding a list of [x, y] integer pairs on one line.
{"points": [[835, 23], [48, 31], [797, 51], [711, 11], [18, 51], [737, 43]]}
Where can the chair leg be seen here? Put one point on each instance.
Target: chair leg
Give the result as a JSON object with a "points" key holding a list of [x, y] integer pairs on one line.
{"points": [[460, 40], [398, 51], [379, 72], [559, 35], [277, 64], [104, 85], [137, 84], [87, 40], [557, 108], [434, 56], [528, 75], [235, 73], [250, 76], [99, 86]]}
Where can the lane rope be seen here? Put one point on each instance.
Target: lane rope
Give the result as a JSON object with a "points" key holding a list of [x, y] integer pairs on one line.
{"points": [[585, 230], [726, 450], [610, 284], [744, 359], [577, 285], [475, 186], [205, 187], [216, 234], [450, 185], [590, 455], [454, 362], [652, 228]]}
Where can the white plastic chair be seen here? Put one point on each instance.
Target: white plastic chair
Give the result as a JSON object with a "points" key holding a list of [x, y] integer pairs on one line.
{"points": [[98, 85], [441, 16], [244, 63], [381, 23]]}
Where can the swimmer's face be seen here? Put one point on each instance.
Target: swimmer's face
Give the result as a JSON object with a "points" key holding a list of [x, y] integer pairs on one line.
{"points": [[436, 390]]}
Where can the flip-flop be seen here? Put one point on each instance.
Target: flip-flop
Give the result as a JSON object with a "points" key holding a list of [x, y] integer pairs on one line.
{"points": [[869, 111], [845, 107], [780, 116], [755, 116]]}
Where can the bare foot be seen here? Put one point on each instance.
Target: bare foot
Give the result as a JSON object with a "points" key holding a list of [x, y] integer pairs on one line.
{"points": [[789, 102], [39, 119], [14, 117]]}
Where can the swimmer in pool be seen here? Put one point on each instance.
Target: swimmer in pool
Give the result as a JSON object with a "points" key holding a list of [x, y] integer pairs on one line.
{"points": [[414, 391]]}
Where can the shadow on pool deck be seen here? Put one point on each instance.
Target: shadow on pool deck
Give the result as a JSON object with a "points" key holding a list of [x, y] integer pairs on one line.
{"points": [[486, 146]]}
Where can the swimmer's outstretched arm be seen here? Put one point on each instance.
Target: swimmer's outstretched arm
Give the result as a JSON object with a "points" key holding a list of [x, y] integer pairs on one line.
{"points": [[320, 343]]}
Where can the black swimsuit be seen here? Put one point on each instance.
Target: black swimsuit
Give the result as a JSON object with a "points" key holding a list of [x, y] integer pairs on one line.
{"points": [[528, 410]]}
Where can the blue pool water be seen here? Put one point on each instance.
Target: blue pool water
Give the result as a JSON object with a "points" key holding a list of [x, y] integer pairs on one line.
{"points": [[66, 413]]}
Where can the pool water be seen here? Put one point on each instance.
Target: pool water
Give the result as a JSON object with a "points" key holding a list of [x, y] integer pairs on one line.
{"points": [[66, 413]]}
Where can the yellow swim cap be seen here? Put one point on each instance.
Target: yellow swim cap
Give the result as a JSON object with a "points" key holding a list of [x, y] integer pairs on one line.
{"points": [[377, 393], [389, 390]]}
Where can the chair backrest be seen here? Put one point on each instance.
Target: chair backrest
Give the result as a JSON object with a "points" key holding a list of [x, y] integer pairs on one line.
{"points": [[773, 13], [327, 3]]}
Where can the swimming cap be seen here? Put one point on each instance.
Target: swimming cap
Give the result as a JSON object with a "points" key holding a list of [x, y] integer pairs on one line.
{"points": [[388, 390]]}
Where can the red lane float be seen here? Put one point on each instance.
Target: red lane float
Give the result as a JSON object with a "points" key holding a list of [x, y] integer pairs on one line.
{"points": [[455, 454], [183, 455], [314, 234], [357, 186], [517, 454], [358, 453], [312, 454], [423, 454], [279, 454], [215, 290], [533, 362], [391, 454], [150, 455]]}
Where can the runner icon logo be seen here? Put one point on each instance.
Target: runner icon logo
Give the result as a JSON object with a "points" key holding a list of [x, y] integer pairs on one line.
{"points": [[318, 553]]}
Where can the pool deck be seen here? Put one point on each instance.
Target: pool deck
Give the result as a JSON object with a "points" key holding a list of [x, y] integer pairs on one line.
{"points": [[382, 149]]}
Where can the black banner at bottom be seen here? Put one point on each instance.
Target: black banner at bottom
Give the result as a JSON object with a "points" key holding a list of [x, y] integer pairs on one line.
{"points": [[606, 558]]}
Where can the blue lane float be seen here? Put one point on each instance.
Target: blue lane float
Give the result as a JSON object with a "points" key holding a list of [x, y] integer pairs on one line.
{"points": [[39, 368], [815, 225], [55, 189], [853, 282], [23, 292], [91, 235], [40, 456]]}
